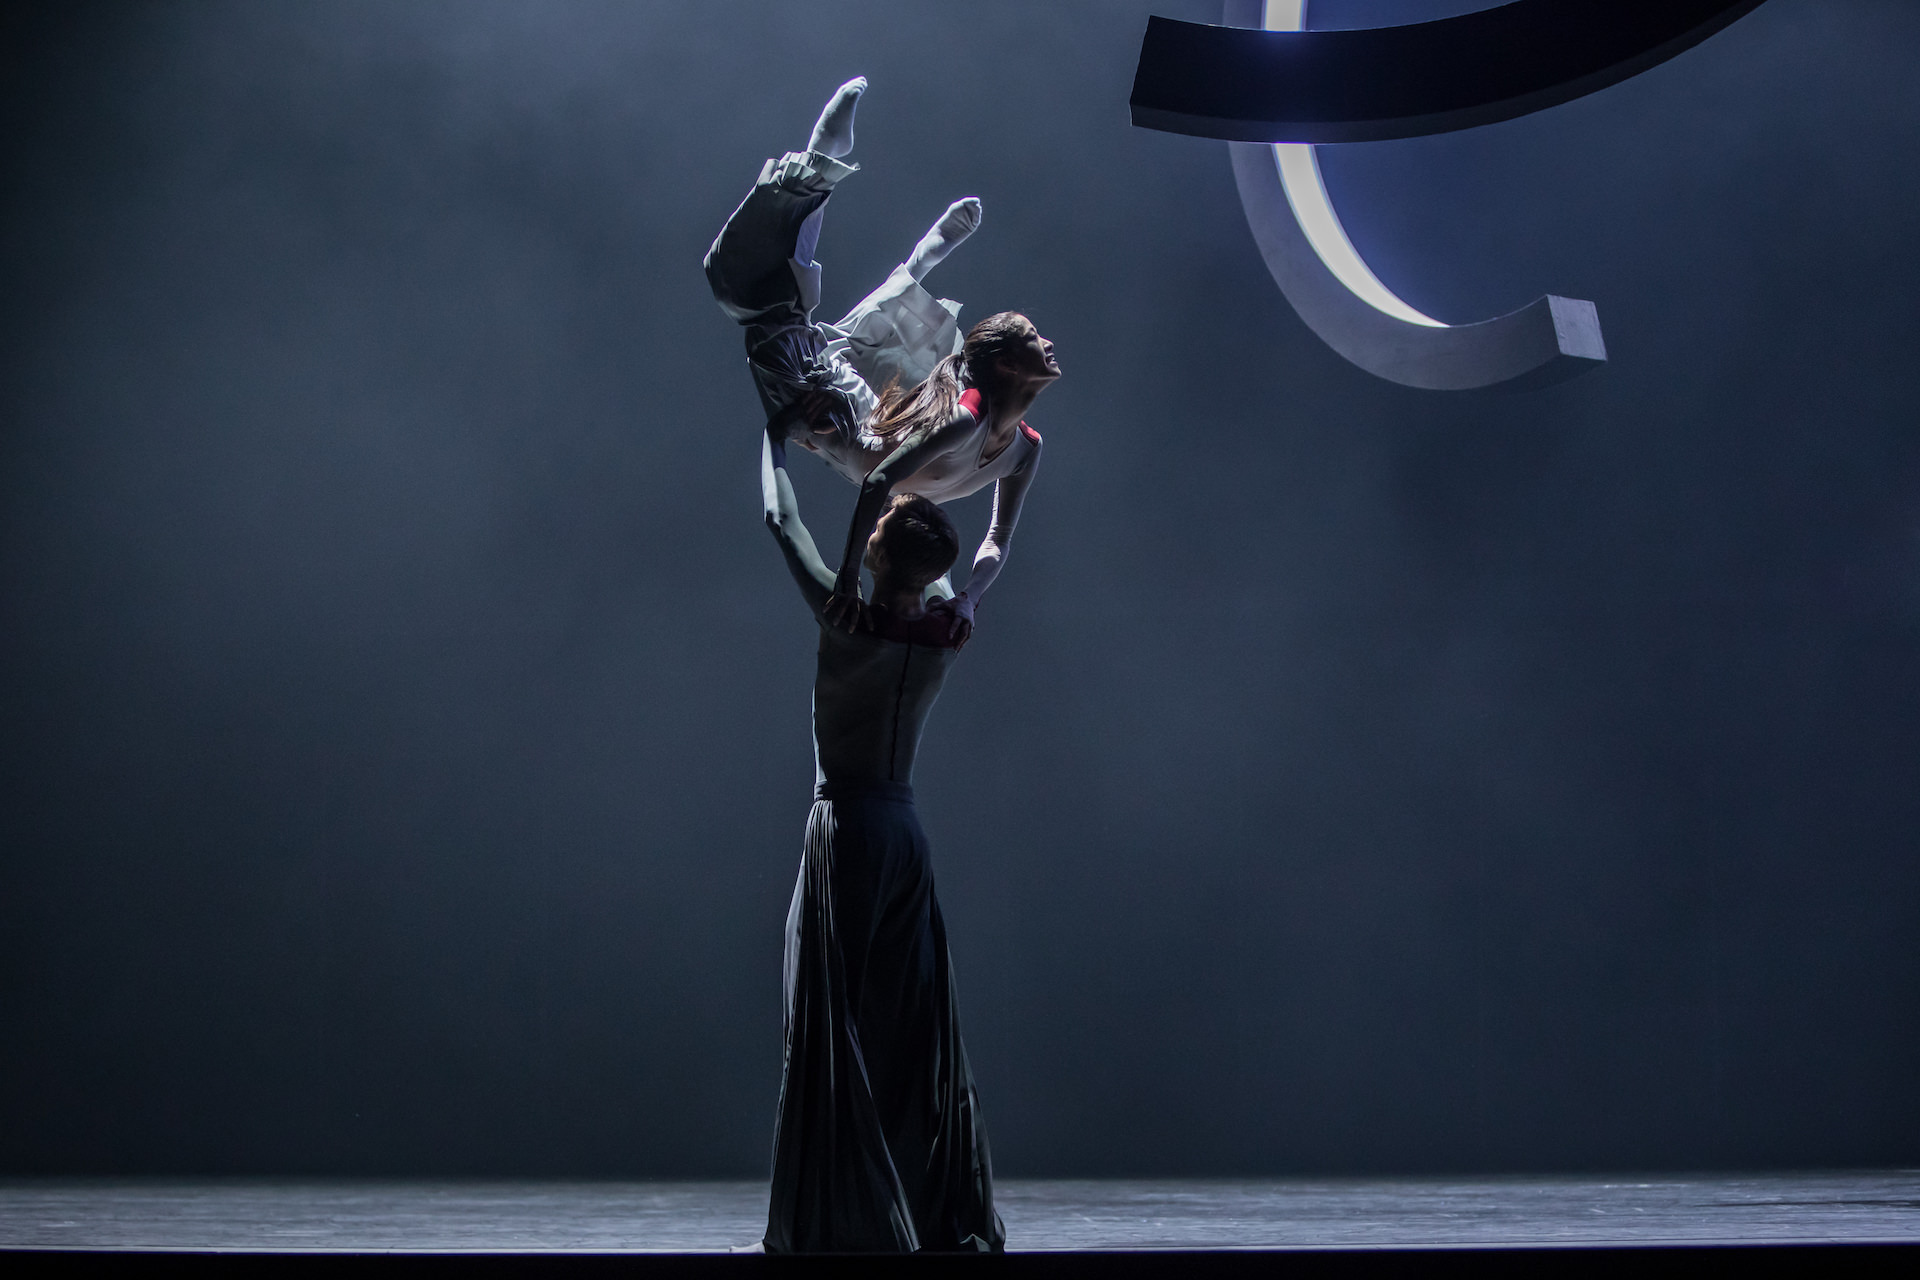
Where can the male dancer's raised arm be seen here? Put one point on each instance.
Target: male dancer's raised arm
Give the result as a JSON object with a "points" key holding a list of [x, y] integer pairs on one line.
{"points": [[782, 512]]}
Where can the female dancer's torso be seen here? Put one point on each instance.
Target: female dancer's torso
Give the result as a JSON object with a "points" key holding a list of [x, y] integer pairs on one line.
{"points": [[966, 466]]}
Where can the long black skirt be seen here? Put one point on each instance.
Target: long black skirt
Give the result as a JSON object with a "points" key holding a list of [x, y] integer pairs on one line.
{"points": [[880, 1147]]}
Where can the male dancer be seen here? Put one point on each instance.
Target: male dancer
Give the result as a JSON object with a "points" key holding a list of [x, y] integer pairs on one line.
{"points": [[879, 1145]]}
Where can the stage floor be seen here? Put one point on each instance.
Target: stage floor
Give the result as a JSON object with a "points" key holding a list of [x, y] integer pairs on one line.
{"points": [[600, 1217]]}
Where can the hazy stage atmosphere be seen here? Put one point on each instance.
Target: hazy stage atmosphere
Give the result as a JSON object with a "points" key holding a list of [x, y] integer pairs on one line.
{"points": [[406, 747]]}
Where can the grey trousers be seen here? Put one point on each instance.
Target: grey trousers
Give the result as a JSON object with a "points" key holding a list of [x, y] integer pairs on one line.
{"points": [[765, 277], [758, 280]]}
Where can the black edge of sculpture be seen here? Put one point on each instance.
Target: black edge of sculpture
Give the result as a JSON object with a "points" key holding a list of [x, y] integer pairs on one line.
{"points": [[1242, 84]]}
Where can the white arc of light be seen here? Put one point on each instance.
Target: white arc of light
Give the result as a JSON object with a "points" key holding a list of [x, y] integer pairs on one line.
{"points": [[1307, 193]]}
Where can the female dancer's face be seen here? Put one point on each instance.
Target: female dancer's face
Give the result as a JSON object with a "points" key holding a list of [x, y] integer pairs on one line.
{"points": [[1032, 360]]}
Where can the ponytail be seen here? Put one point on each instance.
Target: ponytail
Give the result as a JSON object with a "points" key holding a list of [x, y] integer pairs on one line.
{"points": [[929, 405]]}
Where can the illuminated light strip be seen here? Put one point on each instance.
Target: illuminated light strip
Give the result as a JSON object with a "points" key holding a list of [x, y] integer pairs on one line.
{"points": [[1307, 193]]}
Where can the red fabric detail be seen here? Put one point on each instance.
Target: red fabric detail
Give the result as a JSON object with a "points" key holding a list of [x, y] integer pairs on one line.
{"points": [[1031, 433], [970, 401]]}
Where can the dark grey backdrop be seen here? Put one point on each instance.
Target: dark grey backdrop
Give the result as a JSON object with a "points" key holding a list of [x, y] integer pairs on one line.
{"points": [[405, 743]]}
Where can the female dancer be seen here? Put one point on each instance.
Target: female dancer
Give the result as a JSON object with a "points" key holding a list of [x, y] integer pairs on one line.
{"points": [[955, 428]]}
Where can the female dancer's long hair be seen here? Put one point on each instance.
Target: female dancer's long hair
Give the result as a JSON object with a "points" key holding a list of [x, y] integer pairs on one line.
{"points": [[929, 404]]}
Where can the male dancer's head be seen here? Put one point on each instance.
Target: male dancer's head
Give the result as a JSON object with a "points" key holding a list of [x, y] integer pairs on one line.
{"points": [[912, 545]]}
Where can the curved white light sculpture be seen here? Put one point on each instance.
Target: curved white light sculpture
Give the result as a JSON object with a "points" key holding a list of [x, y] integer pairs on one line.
{"points": [[1307, 193], [1342, 301]]}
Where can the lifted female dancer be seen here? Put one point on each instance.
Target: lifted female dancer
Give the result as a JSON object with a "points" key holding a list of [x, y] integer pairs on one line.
{"points": [[946, 420]]}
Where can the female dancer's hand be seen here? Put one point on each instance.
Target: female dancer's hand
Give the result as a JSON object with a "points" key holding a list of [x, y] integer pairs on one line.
{"points": [[962, 629]]}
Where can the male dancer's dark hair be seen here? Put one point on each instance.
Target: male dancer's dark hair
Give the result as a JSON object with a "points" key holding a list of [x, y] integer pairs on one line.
{"points": [[919, 539]]}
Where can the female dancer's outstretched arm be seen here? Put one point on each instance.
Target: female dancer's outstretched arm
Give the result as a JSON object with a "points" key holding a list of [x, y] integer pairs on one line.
{"points": [[1009, 493], [1003, 367]]}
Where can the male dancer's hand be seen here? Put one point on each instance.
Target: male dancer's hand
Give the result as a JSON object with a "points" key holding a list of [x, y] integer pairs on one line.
{"points": [[812, 411], [845, 609]]}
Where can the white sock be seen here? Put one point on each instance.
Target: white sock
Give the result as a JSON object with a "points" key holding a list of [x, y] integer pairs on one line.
{"points": [[955, 225], [833, 131]]}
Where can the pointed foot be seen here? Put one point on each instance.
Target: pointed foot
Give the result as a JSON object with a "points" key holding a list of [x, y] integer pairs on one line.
{"points": [[833, 132]]}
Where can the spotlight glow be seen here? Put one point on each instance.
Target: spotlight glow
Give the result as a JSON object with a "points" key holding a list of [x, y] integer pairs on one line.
{"points": [[1307, 193]]}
